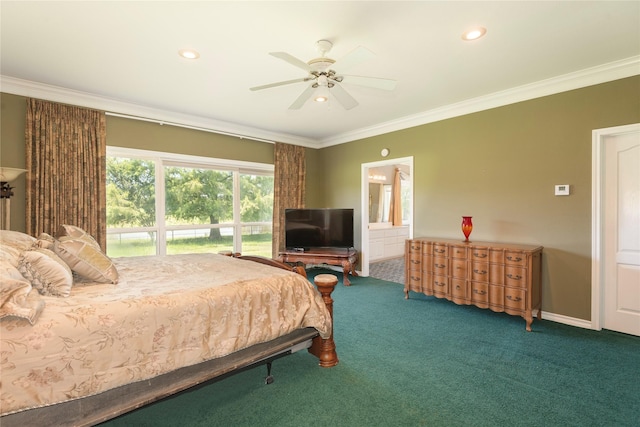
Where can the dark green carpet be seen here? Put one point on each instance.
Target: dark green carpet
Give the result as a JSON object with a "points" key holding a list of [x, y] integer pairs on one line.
{"points": [[425, 361]]}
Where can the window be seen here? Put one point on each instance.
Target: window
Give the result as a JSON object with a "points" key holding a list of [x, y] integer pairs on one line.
{"points": [[160, 203]]}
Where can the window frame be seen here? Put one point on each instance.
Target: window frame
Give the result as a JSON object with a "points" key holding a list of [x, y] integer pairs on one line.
{"points": [[162, 160]]}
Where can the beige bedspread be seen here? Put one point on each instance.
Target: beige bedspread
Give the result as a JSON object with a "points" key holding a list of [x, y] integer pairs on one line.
{"points": [[165, 313]]}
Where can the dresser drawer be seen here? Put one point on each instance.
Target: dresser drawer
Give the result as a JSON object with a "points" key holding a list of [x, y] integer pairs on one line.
{"points": [[515, 258], [414, 261], [440, 250], [480, 294], [458, 252], [414, 246], [515, 298], [459, 288], [440, 285], [480, 271], [441, 266], [414, 280], [515, 276], [480, 254], [458, 268]]}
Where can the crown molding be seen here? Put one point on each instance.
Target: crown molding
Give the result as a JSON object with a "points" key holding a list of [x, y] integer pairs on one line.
{"points": [[591, 76], [118, 108]]}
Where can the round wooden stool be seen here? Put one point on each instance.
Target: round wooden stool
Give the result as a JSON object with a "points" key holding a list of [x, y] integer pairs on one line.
{"points": [[325, 350]]}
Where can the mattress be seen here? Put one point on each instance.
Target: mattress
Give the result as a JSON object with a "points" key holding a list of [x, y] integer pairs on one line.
{"points": [[166, 312]]}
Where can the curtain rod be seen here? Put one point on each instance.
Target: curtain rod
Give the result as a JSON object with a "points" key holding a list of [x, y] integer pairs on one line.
{"points": [[203, 129]]}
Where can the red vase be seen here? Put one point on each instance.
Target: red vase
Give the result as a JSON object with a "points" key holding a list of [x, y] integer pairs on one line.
{"points": [[467, 226]]}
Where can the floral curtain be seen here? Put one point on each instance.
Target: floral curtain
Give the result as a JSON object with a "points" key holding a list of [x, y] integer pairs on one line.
{"points": [[66, 168], [289, 187]]}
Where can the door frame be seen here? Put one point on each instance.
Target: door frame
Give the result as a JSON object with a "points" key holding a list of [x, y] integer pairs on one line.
{"points": [[597, 226], [364, 235]]}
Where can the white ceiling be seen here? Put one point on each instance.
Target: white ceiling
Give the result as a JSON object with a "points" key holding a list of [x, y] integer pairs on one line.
{"points": [[123, 57]]}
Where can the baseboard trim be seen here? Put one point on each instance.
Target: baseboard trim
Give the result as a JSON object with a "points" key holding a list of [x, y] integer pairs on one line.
{"points": [[566, 320]]}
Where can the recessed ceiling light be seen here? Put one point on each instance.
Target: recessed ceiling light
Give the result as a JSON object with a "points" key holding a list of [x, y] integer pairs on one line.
{"points": [[189, 53], [474, 33]]}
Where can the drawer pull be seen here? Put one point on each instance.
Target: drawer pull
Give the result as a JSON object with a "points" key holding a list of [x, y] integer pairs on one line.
{"points": [[480, 271], [475, 291], [439, 284], [439, 251], [415, 278], [514, 258], [478, 255], [516, 277], [439, 265], [415, 261], [457, 286], [514, 299]]}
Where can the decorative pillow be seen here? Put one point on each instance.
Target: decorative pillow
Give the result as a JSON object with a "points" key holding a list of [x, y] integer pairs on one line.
{"points": [[76, 233], [44, 241], [86, 260], [16, 239], [10, 255], [16, 296], [47, 272]]}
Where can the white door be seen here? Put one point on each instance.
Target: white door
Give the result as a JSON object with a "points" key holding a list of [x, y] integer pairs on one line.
{"points": [[621, 233]]}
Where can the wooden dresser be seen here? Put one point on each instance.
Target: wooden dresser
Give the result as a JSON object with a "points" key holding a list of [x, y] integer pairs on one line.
{"points": [[501, 277]]}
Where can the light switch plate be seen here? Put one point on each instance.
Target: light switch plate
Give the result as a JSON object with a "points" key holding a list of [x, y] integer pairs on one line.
{"points": [[562, 190]]}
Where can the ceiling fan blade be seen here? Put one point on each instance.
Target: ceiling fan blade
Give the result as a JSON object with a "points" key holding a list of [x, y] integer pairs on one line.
{"points": [[347, 101], [292, 60], [286, 82], [298, 103], [356, 56], [374, 82]]}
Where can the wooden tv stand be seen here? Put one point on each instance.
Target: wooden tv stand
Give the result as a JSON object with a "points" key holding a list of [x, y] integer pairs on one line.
{"points": [[347, 258]]}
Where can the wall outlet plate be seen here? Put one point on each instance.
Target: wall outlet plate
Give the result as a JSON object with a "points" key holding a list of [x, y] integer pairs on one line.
{"points": [[562, 190]]}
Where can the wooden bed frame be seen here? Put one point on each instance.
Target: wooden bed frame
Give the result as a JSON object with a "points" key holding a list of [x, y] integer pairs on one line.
{"points": [[101, 407]]}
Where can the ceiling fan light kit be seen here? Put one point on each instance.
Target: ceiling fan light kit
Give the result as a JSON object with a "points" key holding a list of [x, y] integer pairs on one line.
{"points": [[325, 80]]}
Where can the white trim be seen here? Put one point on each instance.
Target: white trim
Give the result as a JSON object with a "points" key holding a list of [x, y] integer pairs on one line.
{"points": [[595, 75], [236, 167], [566, 320], [364, 200], [588, 77], [189, 160], [597, 200], [130, 110]]}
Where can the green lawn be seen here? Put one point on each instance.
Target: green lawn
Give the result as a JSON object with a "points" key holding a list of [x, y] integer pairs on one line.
{"points": [[255, 244]]}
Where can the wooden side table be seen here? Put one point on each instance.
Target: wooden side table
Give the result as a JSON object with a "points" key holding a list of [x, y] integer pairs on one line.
{"points": [[346, 258]]}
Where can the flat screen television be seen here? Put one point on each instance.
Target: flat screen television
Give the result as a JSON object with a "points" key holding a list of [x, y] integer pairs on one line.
{"points": [[307, 229]]}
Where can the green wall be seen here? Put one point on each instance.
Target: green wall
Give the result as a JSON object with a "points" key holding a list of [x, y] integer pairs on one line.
{"points": [[499, 165]]}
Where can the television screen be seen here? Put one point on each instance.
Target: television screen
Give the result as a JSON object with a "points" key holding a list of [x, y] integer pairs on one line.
{"points": [[318, 228]]}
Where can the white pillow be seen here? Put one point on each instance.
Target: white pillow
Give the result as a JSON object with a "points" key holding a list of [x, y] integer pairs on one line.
{"points": [[16, 296], [76, 233], [44, 241], [86, 260], [10, 254], [16, 239], [47, 273]]}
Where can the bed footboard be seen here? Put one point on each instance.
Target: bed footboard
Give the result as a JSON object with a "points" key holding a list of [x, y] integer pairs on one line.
{"points": [[323, 349]]}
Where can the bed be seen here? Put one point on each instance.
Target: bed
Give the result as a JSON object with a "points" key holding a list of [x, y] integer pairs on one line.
{"points": [[149, 327]]}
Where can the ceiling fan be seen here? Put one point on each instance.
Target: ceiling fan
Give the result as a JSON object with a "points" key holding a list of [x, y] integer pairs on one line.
{"points": [[324, 79]]}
